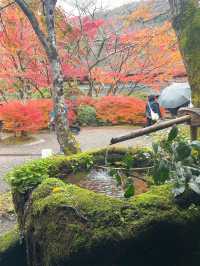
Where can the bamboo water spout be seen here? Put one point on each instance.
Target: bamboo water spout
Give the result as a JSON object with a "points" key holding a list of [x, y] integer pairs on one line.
{"points": [[187, 115]]}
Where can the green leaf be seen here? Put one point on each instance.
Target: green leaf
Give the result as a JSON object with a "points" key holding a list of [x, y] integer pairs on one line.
{"points": [[128, 160], [183, 151], [161, 172], [112, 171], [118, 179], [173, 134], [130, 191], [155, 147], [115, 173]]}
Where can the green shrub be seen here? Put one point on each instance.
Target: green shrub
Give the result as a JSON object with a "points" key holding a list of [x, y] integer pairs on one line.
{"points": [[177, 160], [87, 115], [28, 176]]}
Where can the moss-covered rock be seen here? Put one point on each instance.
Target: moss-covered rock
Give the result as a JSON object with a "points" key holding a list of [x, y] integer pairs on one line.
{"points": [[25, 178], [187, 26], [12, 252], [65, 225]]}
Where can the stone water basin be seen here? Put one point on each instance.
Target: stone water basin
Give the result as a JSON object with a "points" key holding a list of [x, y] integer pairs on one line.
{"points": [[99, 180]]}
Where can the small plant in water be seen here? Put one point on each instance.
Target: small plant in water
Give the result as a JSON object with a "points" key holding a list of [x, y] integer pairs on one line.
{"points": [[177, 160], [123, 177]]}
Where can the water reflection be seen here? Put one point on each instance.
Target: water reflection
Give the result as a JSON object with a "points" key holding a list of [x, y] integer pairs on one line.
{"points": [[100, 181]]}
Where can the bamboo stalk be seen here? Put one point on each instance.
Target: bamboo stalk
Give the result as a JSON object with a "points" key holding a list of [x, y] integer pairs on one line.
{"points": [[151, 129]]}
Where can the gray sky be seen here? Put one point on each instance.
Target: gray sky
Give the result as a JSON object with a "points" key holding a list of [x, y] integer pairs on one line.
{"points": [[67, 4]]}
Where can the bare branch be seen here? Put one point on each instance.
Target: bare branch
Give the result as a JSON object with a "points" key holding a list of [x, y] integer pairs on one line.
{"points": [[6, 6], [111, 54], [35, 24]]}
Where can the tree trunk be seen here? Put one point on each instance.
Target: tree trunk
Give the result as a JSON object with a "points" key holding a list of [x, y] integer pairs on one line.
{"points": [[186, 22], [91, 88], [67, 142], [65, 138]]}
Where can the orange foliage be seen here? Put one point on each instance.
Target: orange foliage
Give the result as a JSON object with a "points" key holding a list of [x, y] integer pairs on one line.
{"points": [[152, 59], [102, 76], [30, 116], [121, 109], [35, 114], [19, 117], [86, 100], [23, 60], [143, 53], [45, 106]]}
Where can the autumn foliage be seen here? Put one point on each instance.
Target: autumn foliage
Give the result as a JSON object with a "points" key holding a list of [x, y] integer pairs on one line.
{"points": [[90, 50], [45, 106], [19, 117], [86, 100], [139, 55], [31, 116], [121, 109], [34, 115]]}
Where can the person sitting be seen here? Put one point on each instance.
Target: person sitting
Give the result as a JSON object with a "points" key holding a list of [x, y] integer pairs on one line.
{"points": [[153, 113]]}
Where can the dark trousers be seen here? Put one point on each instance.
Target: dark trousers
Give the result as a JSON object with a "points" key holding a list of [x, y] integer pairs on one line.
{"points": [[149, 122]]}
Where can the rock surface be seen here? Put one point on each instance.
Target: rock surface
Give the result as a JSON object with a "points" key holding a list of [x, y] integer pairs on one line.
{"points": [[69, 226]]}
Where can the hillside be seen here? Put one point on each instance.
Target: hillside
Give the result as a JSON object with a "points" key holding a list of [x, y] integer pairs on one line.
{"points": [[159, 7]]}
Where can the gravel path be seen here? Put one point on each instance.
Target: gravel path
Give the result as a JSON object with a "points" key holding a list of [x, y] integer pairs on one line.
{"points": [[89, 138]]}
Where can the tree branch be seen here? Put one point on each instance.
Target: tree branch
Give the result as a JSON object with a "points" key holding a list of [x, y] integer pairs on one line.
{"points": [[35, 24], [112, 53], [9, 4], [49, 8]]}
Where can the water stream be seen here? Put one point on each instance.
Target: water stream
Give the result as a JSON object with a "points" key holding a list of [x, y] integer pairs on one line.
{"points": [[106, 155]]}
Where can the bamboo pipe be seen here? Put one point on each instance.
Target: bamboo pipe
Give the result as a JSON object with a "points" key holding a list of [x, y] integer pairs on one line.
{"points": [[151, 129]]}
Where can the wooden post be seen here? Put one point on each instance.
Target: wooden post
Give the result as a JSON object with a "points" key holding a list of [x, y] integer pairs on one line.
{"points": [[194, 122]]}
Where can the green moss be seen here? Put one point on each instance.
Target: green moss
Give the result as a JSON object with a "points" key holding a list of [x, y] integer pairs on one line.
{"points": [[187, 25], [67, 225], [25, 178], [73, 147], [52, 193], [11, 251], [69, 221], [8, 240], [161, 194]]}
